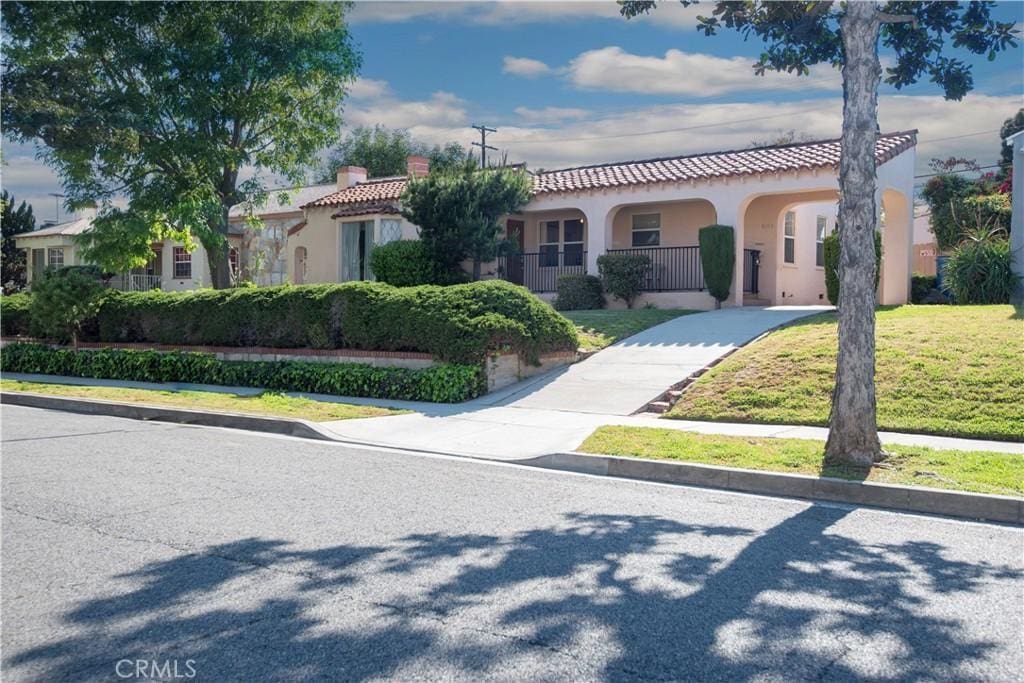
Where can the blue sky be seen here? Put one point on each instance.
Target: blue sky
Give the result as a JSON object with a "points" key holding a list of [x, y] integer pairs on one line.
{"points": [[570, 83]]}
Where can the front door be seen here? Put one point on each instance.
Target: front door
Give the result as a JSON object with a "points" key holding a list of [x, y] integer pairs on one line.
{"points": [[515, 231]]}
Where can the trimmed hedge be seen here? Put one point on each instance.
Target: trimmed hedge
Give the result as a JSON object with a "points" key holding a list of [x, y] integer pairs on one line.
{"points": [[579, 293], [15, 314], [403, 263], [442, 383], [460, 323]]}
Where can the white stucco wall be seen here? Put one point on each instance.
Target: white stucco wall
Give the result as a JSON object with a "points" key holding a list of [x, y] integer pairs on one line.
{"points": [[803, 282]]}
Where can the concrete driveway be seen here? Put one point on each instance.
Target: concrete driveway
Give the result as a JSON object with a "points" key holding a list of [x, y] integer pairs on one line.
{"points": [[252, 558]]}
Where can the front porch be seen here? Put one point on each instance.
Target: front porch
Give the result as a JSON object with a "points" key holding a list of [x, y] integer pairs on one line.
{"points": [[672, 269]]}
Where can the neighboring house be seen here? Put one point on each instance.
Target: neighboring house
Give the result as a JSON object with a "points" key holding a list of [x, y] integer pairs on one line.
{"points": [[925, 246], [775, 198], [260, 254]]}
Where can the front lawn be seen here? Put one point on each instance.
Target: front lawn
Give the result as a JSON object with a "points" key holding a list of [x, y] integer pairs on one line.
{"points": [[598, 329], [952, 370], [267, 403], [977, 471]]}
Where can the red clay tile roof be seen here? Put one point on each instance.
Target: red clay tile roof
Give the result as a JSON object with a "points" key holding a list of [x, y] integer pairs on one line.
{"points": [[775, 159], [375, 190], [381, 195], [295, 228]]}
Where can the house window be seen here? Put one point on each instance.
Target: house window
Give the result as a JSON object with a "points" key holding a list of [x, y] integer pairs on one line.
{"points": [[789, 238], [55, 257], [646, 229], [561, 243], [390, 230], [182, 264], [233, 261], [819, 242]]}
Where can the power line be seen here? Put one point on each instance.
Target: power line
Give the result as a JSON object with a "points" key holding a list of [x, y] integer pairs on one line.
{"points": [[966, 170], [484, 130]]}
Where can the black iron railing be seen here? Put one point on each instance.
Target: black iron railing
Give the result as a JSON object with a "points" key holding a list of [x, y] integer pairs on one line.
{"points": [[673, 269], [751, 269], [539, 272]]}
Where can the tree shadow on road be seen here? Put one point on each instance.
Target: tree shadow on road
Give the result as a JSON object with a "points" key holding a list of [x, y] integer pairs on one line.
{"points": [[591, 597]]}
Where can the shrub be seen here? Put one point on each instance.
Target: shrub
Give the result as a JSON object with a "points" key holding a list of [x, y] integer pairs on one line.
{"points": [[579, 293], [718, 259], [623, 275], [15, 314], [442, 383], [978, 272], [404, 263], [831, 249], [461, 323], [921, 287], [62, 301]]}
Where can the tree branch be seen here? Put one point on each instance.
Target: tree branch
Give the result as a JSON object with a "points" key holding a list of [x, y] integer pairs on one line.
{"points": [[886, 18]]}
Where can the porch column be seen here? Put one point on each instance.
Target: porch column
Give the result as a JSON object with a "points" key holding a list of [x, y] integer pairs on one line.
{"points": [[599, 232], [729, 211]]}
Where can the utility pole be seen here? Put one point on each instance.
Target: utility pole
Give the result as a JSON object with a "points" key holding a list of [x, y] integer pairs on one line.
{"points": [[56, 199], [484, 130]]}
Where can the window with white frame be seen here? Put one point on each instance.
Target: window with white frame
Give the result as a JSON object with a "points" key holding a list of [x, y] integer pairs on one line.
{"points": [[182, 264], [561, 243], [789, 238], [819, 241], [646, 230], [55, 257]]}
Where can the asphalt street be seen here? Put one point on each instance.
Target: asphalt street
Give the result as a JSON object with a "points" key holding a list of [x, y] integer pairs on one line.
{"points": [[131, 549]]}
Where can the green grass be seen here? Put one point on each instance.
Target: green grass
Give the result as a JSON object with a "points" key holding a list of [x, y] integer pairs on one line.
{"points": [[951, 370], [267, 403], [977, 471], [598, 329]]}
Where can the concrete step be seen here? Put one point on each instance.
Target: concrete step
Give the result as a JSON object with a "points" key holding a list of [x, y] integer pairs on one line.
{"points": [[674, 394], [658, 406]]}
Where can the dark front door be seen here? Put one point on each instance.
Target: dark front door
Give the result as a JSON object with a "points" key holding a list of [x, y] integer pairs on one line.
{"points": [[514, 230]]}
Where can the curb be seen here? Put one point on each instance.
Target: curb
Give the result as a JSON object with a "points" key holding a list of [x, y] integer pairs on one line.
{"points": [[976, 506], [252, 423]]}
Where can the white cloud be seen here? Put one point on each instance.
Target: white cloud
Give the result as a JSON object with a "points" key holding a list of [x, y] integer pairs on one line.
{"points": [[442, 109], [524, 66], [368, 88], [550, 114], [685, 73]]}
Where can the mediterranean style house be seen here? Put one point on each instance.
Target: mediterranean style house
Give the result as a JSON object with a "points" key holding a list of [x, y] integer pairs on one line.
{"points": [[781, 201]]}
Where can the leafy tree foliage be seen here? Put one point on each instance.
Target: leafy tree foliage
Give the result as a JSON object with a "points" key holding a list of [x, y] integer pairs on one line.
{"points": [[62, 300], [14, 221], [384, 151], [799, 35], [1012, 125], [458, 211], [167, 102]]}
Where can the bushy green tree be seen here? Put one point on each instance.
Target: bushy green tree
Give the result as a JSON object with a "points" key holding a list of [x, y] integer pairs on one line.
{"points": [[62, 300], [384, 152], [718, 259], [458, 211], [166, 102], [15, 220], [799, 35], [623, 275]]}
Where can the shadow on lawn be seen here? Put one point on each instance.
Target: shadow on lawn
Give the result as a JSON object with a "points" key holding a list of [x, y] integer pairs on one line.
{"points": [[796, 601]]}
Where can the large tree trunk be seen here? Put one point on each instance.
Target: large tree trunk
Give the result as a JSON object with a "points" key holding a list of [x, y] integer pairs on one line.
{"points": [[217, 256], [853, 430]]}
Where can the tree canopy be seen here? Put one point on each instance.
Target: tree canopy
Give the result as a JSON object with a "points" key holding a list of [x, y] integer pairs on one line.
{"points": [[458, 211], [15, 220], [167, 103], [383, 152]]}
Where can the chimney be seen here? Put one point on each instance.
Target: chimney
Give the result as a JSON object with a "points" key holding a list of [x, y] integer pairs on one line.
{"points": [[350, 175], [417, 166]]}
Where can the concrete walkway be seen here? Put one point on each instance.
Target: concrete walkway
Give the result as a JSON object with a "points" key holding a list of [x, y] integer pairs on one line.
{"points": [[623, 378]]}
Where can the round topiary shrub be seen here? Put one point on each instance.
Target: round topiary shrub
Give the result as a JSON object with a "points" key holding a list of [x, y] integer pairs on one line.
{"points": [[579, 293], [623, 275]]}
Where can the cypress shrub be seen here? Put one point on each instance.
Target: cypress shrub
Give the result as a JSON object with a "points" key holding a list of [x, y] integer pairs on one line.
{"points": [[579, 293], [831, 249], [718, 259]]}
